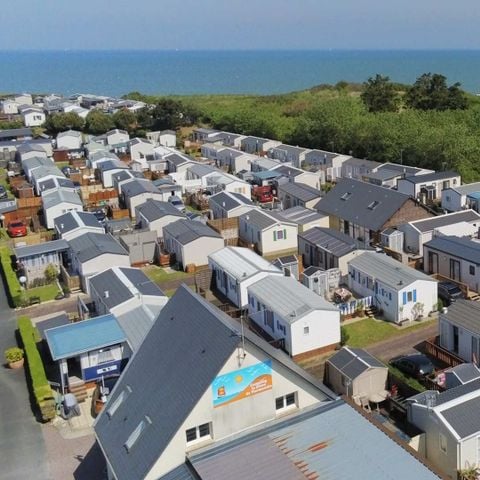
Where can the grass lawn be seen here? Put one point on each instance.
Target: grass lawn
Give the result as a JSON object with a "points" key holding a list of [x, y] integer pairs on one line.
{"points": [[368, 331], [160, 275], [47, 292]]}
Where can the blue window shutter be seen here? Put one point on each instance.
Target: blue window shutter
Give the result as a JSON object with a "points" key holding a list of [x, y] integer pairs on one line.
{"points": [[404, 298], [415, 295], [274, 236]]}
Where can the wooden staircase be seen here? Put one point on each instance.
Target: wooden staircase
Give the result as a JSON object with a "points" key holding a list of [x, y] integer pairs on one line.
{"points": [[371, 311], [78, 388]]}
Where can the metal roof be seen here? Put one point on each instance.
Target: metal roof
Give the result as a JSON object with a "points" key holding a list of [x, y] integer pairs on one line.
{"points": [[465, 372], [80, 337], [136, 323], [45, 170], [266, 174], [71, 220], [407, 169], [429, 224], [287, 297], [387, 270], [436, 398], [467, 188], [229, 201], [154, 209], [303, 192], [186, 231], [69, 133], [463, 417], [431, 177], [55, 197], [112, 165], [460, 247], [330, 240], [464, 313], [188, 344], [177, 159], [331, 442], [201, 170], [40, 249], [241, 263], [262, 219], [289, 171], [33, 162], [91, 245], [139, 186], [301, 215], [362, 203], [16, 132], [354, 361]]}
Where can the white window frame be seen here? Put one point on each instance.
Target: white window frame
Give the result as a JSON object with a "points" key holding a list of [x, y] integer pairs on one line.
{"points": [[285, 406], [199, 438]]}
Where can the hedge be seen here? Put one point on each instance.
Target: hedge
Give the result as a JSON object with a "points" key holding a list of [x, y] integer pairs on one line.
{"points": [[41, 389], [14, 288]]}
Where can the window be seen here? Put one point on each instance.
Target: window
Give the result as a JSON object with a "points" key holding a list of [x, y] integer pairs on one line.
{"points": [[286, 401], [118, 401], [306, 330], [105, 355], [135, 435], [373, 205], [198, 433], [409, 296], [268, 319], [346, 196], [443, 443], [471, 270]]}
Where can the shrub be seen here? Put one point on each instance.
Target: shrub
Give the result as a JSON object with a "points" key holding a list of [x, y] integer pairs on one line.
{"points": [[13, 285], [344, 336], [51, 273], [40, 386], [13, 354]]}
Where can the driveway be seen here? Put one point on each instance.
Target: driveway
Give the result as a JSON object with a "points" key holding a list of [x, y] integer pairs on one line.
{"points": [[22, 448]]}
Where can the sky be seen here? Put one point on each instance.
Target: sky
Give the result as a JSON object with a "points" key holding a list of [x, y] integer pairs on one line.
{"points": [[239, 24]]}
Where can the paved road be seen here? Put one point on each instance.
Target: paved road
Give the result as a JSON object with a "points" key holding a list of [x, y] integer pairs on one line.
{"points": [[22, 448]]}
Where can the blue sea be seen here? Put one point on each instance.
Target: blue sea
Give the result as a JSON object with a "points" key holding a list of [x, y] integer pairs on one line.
{"points": [[208, 72]]}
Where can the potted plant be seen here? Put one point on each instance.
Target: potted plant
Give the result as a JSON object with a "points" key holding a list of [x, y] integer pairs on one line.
{"points": [[14, 357]]}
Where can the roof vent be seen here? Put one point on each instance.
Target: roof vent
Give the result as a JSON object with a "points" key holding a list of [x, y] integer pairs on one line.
{"points": [[346, 196], [106, 294], [61, 226]]}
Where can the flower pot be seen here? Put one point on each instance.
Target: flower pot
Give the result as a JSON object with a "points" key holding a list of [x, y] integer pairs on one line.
{"points": [[17, 364]]}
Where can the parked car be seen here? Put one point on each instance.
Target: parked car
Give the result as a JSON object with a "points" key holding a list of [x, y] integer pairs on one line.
{"points": [[17, 229], [177, 202], [100, 214], [416, 365], [3, 192], [448, 292]]}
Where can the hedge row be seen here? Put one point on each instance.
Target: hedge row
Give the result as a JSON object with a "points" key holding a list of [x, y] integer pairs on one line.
{"points": [[14, 288], [41, 389]]}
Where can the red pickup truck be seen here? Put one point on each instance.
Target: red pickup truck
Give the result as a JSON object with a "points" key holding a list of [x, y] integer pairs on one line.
{"points": [[263, 194]]}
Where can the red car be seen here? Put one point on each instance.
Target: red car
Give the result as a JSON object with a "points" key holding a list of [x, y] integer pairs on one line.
{"points": [[17, 229]]}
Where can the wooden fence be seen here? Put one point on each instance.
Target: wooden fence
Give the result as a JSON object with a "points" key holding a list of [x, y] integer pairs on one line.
{"points": [[432, 348], [227, 228]]}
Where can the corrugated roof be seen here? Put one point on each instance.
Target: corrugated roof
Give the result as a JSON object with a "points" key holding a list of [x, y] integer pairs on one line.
{"points": [[260, 219], [186, 231], [177, 159], [154, 209], [387, 270], [91, 245], [241, 263], [468, 188], [330, 240], [16, 132], [75, 338], [431, 177], [287, 297], [332, 442], [429, 224], [463, 248], [301, 215], [354, 361], [362, 203], [136, 323], [41, 248], [464, 313], [303, 192]]}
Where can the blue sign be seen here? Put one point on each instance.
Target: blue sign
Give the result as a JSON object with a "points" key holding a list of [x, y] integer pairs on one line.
{"points": [[102, 370]]}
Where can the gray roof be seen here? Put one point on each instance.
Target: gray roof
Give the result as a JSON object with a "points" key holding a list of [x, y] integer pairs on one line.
{"points": [[290, 149], [16, 132], [261, 219], [177, 159], [400, 168], [188, 344], [382, 175], [186, 231], [354, 361], [303, 192], [333, 241], [41, 248], [311, 270], [467, 188], [464, 417], [136, 323], [91, 245], [46, 170], [31, 147], [465, 372], [301, 215], [463, 248], [55, 197], [71, 220], [70, 133], [102, 154], [112, 165], [464, 313], [229, 201], [33, 162], [139, 186], [431, 177], [201, 170], [332, 440], [387, 270], [429, 224], [288, 171], [362, 203], [289, 298], [155, 209], [361, 162]]}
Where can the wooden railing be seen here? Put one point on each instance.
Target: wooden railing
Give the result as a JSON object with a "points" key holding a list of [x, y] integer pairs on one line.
{"points": [[436, 351]]}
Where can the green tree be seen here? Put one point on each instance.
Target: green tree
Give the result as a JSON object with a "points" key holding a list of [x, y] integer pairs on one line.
{"points": [[59, 122], [430, 92], [379, 95], [51, 273], [98, 122], [167, 114], [125, 120]]}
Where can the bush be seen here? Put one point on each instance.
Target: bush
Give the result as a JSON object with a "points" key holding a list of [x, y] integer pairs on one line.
{"points": [[13, 354], [40, 386], [13, 285], [344, 336]]}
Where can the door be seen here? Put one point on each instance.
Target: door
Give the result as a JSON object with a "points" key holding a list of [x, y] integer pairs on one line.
{"points": [[455, 339], [455, 269], [432, 262]]}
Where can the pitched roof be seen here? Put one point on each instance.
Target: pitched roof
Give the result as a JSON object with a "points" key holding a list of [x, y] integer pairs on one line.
{"points": [[263, 220], [71, 220], [463, 417], [465, 372], [53, 198], [188, 343], [70, 133], [112, 165], [387, 270], [467, 188], [139, 186], [429, 224], [229, 201], [431, 177], [362, 203], [460, 247], [16, 132], [289, 298], [91, 245], [186, 231], [303, 192], [177, 159], [333, 241], [354, 361], [464, 313], [301, 215], [40, 248], [154, 209], [241, 263], [136, 324]]}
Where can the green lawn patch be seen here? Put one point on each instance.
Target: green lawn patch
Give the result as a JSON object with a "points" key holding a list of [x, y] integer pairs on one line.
{"points": [[46, 293], [368, 331], [160, 275]]}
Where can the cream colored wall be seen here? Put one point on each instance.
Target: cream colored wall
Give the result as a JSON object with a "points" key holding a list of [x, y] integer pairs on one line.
{"points": [[269, 245]]}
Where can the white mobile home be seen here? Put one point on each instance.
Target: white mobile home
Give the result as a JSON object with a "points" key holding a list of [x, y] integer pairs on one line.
{"points": [[154, 215]]}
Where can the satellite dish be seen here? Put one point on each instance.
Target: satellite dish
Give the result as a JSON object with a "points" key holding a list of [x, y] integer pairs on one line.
{"points": [[22, 280]]}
